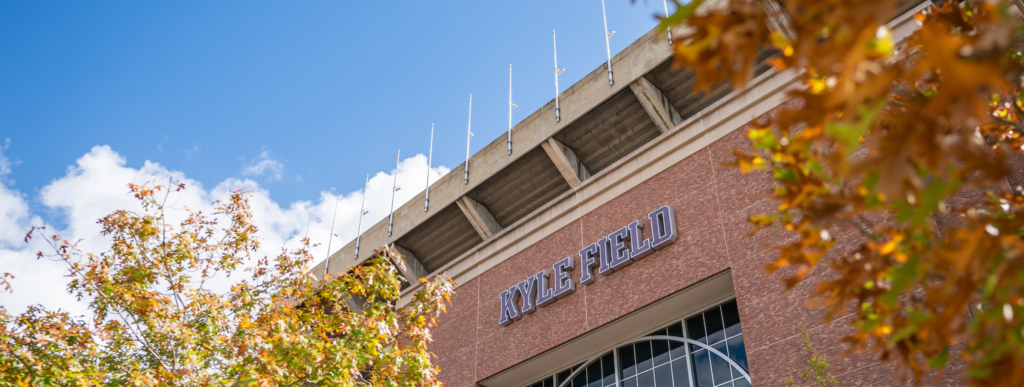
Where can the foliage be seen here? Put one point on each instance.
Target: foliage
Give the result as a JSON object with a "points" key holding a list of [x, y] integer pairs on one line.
{"points": [[900, 146], [156, 321], [817, 367]]}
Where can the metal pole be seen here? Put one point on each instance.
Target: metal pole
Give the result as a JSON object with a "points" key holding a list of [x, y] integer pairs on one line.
{"points": [[510, 106], [310, 220], [607, 47], [330, 239], [430, 155], [558, 111], [668, 31], [469, 134], [361, 213], [394, 189]]}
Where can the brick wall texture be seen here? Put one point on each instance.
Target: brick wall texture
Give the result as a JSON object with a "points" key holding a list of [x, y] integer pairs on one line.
{"points": [[712, 204]]}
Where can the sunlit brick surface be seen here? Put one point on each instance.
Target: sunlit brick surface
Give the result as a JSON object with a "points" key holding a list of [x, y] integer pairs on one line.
{"points": [[711, 203]]}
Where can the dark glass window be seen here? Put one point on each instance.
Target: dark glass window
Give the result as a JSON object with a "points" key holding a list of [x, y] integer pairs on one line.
{"points": [[645, 379], [631, 382], [731, 317], [678, 349], [594, 375], [737, 352], [561, 377], [643, 356], [660, 348], [720, 327], [713, 324], [663, 376], [719, 366], [666, 363], [608, 369], [547, 382], [580, 380], [680, 374], [627, 361], [695, 328]]}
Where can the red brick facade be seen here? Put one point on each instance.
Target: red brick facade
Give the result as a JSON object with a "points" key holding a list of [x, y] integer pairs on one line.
{"points": [[711, 204]]}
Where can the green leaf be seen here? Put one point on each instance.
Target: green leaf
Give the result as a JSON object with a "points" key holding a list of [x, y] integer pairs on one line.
{"points": [[682, 13], [849, 134], [902, 278], [784, 174], [763, 139], [940, 360], [902, 334]]}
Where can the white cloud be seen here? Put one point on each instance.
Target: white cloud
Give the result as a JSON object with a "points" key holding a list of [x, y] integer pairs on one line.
{"points": [[192, 152], [14, 209], [5, 163], [264, 164], [97, 185]]}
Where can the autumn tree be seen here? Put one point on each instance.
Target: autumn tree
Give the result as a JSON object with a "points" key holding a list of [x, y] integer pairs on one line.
{"points": [[157, 318], [903, 145]]}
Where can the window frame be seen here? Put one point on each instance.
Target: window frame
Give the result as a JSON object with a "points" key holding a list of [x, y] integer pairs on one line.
{"points": [[614, 349]]}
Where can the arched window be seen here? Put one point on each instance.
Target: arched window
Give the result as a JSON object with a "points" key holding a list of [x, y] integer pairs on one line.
{"points": [[702, 350]]}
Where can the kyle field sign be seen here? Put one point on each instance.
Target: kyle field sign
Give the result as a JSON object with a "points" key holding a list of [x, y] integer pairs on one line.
{"points": [[613, 252]]}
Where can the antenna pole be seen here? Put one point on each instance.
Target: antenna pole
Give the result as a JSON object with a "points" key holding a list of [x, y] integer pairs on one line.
{"points": [[394, 189], [330, 238], [510, 106], [361, 212], [430, 156], [668, 31], [469, 134], [310, 220], [607, 47], [554, 41]]}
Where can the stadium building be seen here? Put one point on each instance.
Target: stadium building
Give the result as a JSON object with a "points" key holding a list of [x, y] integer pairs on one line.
{"points": [[611, 246]]}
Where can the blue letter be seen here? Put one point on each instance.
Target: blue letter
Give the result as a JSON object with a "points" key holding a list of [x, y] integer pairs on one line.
{"points": [[663, 227], [509, 309], [564, 285], [545, 295], [606, 257], [620, 256], [640, 247], [588, 259], [528, 289]]}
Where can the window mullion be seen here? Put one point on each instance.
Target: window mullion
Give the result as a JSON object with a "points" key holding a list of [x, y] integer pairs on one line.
{"points": [[725, 334], [707, 337], [618, 374], [688, 354]]}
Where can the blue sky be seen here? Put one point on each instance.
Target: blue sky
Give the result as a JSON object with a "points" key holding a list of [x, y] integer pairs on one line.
{"points": [[329, 89], [296, 101]]}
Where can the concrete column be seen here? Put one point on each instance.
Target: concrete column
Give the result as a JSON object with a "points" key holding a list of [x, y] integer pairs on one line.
{"points": [[408, 265], [656, 104], [479, 217], [565, 160]]}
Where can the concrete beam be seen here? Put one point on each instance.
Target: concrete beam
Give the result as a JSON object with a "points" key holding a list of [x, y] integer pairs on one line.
{"points": [[479, 217], [408, 265], [656, 104], [577, 100], [565, 160]]}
